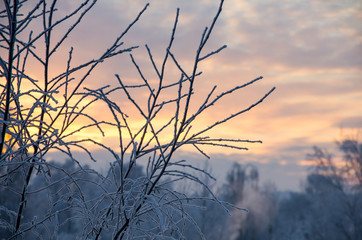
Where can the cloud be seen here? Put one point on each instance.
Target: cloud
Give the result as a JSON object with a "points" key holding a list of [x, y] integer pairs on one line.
{"points": [[352, 122], [299, 33], [310, 50]]}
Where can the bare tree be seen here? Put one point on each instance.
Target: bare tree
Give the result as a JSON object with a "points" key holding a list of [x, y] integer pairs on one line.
{"points": [[38, 116], [335, 183]]}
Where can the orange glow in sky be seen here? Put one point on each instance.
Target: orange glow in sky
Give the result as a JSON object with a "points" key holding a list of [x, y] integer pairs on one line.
{"points": [[309, 50]]}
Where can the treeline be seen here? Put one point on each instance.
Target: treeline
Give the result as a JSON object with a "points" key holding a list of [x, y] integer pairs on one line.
{"points": [[329, 207], [61, 202]]}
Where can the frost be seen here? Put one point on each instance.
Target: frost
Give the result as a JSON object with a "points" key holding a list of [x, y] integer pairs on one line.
{"points": [[51, 112]]}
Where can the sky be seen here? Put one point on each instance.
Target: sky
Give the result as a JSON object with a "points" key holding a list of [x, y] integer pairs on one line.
{"points": [[309, 50]]}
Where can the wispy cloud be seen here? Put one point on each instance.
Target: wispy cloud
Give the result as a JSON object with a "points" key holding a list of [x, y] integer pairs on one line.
{"points": [[310, 50]]}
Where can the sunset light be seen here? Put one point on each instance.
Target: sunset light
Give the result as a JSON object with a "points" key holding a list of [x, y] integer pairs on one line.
{"points": [[135, 96]]}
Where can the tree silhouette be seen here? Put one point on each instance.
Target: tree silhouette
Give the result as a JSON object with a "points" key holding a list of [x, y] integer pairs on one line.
{"points": [[39, 114]]}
